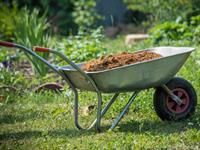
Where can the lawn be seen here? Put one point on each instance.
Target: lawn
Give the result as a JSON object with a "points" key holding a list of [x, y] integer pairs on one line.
{"points": [[45, 120]]}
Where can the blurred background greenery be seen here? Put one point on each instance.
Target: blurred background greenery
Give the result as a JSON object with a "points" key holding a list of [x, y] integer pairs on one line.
{"points": [[83, 29]]}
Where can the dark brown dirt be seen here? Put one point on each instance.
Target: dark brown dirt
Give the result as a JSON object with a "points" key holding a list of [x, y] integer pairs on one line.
{"points": [[113, 61]]}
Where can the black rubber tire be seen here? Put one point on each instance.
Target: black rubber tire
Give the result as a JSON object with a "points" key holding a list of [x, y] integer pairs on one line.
{"points": [[160, 96]]}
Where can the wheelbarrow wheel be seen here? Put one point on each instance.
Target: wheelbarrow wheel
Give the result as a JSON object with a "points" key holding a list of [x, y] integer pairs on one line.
{"points": [[167, 109]]}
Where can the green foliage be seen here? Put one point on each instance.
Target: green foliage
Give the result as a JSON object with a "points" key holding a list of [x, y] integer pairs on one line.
{"points": [[6, 55], [84, 13], [195, 23], [66, 15], [162, 10], [26, 28], [31, 30], [195, 20], [8, 78], [59, 13], [84, 46], [197, 35], [174, 31], [171, 31], [6, 20]]}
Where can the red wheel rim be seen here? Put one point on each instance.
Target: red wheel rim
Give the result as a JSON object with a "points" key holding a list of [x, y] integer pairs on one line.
{"points": [[173, 106]]}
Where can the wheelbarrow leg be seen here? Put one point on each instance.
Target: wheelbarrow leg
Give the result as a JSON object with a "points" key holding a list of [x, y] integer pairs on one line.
{"points": [[117, 120], [76, 110], [98, 123], [75, 101], [98, 120], [105, 109], [112, 100]]}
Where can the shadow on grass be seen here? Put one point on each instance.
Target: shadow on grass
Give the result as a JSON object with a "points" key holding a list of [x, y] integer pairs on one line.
{"points": [[146, 126], [20, 135], [155, 127], [38, 134], [11, 119], [138, 127]]}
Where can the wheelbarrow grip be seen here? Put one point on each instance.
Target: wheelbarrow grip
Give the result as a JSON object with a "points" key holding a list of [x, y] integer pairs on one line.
{"points": [[40, 49], [7, 44]]}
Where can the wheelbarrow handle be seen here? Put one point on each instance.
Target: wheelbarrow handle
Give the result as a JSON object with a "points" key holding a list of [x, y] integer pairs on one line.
{"points": [[30, 52], [40, 49], [43, 49], [7, 44], [87, 77]]}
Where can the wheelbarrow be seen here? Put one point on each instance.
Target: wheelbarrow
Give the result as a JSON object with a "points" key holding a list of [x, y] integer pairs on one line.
{"points": [[174, 97]]}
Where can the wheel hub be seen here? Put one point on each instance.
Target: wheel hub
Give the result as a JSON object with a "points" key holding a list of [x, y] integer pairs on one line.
{"points": [[173, 106]]}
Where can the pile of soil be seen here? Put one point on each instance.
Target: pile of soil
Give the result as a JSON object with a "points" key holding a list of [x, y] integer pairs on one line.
{"points": [[113, 61]]}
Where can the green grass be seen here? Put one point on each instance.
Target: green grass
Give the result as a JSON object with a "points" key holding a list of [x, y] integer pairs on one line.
{"points": [[45, 120]]}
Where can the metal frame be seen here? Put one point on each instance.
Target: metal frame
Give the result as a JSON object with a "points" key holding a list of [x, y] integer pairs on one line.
{"points": [[100, 112]]}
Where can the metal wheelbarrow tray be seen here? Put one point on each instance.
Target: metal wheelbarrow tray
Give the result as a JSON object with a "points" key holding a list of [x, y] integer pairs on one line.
{"points": [[136, 76], [174, 98]]}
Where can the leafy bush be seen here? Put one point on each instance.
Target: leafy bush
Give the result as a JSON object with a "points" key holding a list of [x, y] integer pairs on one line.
{"points": [[30, 30], [197, 35], [84, 46], [84, 13], [170, 31], [6, 55], [59, 13], [11, 81], [195, 20], [26, 28], [13, 78], [174, 31], [6, 20], [65, 15], [162, 10]]}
